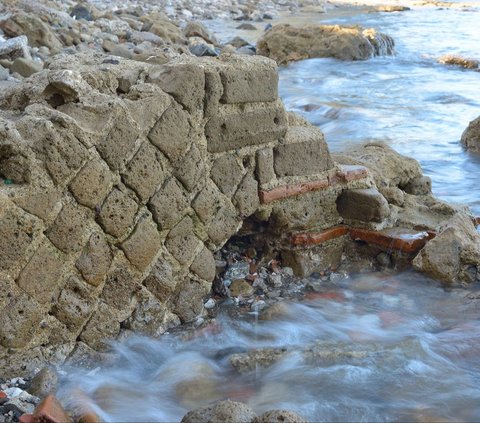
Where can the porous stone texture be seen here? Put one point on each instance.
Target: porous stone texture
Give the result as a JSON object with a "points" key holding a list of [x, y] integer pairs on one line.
{"points": [[471, 136], [285, 43], [274, 416], [120, 179], [222, 411]]}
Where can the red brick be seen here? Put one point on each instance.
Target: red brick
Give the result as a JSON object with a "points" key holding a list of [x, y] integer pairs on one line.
{"points": [[26, 418], [407, 242], [286, 191], [308, 239], [50, 411], [3, 395]]}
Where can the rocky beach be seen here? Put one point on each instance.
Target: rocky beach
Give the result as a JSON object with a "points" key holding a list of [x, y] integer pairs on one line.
{"points": [[176, 211]]}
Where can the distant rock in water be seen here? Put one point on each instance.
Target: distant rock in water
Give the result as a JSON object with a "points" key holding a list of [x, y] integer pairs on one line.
{"points": [[391, 8], [471, 135], [451, 59], [285, 43]]}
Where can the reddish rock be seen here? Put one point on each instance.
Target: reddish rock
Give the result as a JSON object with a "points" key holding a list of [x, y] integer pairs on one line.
{"points": [[27, 418], [314, 238], [286, 191], [476, 221], [403, 240]]}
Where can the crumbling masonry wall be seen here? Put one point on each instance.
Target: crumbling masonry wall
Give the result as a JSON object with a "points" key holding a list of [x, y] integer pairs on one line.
{"points": [[120, 180]]}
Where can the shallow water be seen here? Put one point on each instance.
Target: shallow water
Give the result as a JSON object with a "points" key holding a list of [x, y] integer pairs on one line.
{"points": [[373, 347], [416, 105]]}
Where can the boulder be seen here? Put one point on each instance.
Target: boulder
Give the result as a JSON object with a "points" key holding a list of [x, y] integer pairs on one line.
{"points": [[454, 255], [14, 48], [285, 43], [453, 59], [471, 136], [222, 411]]}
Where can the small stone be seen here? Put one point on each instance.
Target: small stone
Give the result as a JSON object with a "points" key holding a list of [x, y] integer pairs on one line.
{"points": [[44, 382], [384, 260], [275, 280], [246, 26], [210, 304], [238, 270], [202, 50], [26, 67], [241, 288]]}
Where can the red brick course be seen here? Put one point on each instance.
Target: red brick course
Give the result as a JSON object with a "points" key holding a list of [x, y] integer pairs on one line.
{"points": [[344, 174], [309, 239]]}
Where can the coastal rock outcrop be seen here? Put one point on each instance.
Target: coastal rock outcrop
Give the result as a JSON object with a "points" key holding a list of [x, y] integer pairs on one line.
{"points": [[285, 43], [471, 136]]}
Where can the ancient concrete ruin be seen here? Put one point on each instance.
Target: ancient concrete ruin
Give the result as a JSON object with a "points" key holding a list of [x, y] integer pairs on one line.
{"points": [[121, 179]]}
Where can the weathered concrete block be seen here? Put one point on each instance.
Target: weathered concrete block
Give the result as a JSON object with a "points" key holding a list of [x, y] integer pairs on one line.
{"points": [[163, 278], [304, 152], [181, 241], [120, 141], [19, 320], [95, 260], [207, 201], [213, 92], [102, 327], [184, 81], [315, 209], [189, 299], [265, 171], [144, 172], [246, 198], [190, 169], [204, 265], [367, 205], [225, 223], [16, 234], [249, 81], [168, 204], [92, 183], [226, 173], [117, 213], [120, 288], [143, 244], [317, 259], [171, 134], [39, 202], [255, 125], [40, 278], [67, 231], [63, 155], [75, 304]]}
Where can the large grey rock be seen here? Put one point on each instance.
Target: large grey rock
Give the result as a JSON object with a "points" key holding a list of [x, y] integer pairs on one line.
{"points": [[285, 43], [471, 136], [14, 47], [453, 256]]}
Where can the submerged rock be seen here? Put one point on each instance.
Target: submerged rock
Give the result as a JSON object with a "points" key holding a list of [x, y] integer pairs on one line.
{"points": [[285, 43], [471, 136], [464, 62], [223, 411]]}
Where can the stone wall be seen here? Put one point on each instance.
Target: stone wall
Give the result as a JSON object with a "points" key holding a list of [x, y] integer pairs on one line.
{"points": [[121, 179]]}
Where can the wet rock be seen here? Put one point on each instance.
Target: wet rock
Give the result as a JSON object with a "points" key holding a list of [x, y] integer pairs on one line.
{"points": [[14, 48], [249, 361], [4, 74], [247, 26], [45, 382], [464, 62], [392, 8], [241, 288], [285, 43], [26, 67], [367, 205], [277, 416], [237, 270], [471, 136], [223, 411], [238, 42], [453, 256]]}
